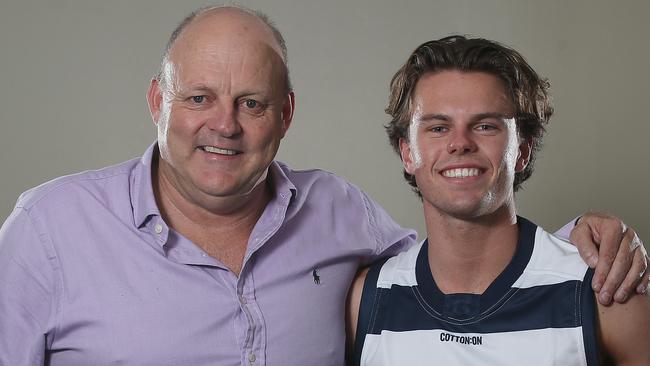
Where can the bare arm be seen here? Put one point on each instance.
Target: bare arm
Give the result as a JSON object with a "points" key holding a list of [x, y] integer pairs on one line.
{"points": [[352, 310], [625, 331]]}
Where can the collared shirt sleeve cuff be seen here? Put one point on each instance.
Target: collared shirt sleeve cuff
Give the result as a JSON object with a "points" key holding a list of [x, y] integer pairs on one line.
{"points": [[565, 230]]}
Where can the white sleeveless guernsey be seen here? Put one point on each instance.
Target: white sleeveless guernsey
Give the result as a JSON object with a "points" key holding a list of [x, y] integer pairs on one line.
{"points": [[539, 311]]}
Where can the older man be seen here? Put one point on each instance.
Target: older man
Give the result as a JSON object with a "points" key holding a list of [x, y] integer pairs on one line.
{"points": [[205, 251]]}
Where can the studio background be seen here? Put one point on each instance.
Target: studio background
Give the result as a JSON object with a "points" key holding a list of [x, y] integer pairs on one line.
{"points": [[73, 78]]}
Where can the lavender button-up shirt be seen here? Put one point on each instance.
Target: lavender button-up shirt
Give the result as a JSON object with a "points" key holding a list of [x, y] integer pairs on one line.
{"points": [[90, 274]]}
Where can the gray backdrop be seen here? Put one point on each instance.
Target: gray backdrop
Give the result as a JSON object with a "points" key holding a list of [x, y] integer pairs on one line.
{"points": [[74, 75]]}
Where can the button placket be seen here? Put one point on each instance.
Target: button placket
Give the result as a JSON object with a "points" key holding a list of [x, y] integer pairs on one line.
{"points": [[251, 326]]}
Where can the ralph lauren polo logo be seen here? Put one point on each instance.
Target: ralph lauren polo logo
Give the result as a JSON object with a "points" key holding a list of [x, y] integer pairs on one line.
{"points": [[314, 274]]}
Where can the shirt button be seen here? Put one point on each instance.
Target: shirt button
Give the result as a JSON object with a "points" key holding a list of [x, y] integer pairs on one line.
{"points": [[242, 300], [158, 228], [251, 358]]}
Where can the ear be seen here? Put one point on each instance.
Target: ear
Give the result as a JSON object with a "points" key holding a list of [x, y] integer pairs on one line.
{"points": [[288, 108], [154, 99], [407, 156], [523, 156]]}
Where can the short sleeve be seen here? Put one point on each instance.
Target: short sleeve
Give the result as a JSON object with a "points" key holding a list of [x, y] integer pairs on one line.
{"points": [[27, 291], [390, 237]]}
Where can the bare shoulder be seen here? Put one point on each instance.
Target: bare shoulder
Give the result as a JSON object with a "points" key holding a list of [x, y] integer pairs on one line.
{"points": [[353, 303], [625, 331]]}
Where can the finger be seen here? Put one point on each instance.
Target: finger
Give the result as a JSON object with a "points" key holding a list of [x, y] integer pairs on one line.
{"points": [[633, 278], [581, 236], [610, 236], [644, 285], [642, 288], [613, 270]]}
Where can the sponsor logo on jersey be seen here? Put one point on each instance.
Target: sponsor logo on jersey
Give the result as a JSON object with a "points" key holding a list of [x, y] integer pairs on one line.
{"points": [[471, 340]]}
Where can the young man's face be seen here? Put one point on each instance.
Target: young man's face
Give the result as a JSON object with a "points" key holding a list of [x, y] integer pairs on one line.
{"points": [[463, 146]]}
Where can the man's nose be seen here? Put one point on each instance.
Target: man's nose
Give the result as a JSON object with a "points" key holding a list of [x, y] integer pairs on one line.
{"points": [[461, 142], [224, 121]]}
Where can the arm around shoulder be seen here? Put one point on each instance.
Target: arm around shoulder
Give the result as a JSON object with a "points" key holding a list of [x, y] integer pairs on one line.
{"points": [[625, 331], [27, 289]]}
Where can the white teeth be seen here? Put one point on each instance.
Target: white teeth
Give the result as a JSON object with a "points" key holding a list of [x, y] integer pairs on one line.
{"points": [[216, 150], [461, 172]]}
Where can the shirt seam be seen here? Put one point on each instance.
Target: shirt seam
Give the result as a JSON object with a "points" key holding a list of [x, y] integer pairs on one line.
{"points": [[57, 303], [61, 185], [370, 220]]}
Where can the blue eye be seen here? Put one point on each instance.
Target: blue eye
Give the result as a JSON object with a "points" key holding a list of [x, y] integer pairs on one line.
{"points": [[198, 99], [250, 103]]}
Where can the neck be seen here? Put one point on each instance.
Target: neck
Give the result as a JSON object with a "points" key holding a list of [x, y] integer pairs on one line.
{"points": [[467, 254]]}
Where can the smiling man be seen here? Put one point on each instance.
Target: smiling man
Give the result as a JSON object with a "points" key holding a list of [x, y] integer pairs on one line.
{"points": [[222, 103], [486, 287], [205, 251]]}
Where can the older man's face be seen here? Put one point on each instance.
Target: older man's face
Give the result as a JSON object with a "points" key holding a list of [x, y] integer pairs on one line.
{"points": [[224, 108]]}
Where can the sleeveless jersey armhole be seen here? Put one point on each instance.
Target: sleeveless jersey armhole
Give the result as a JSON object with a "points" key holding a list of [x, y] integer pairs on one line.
{"points": [[367, 309], [589, 320]]}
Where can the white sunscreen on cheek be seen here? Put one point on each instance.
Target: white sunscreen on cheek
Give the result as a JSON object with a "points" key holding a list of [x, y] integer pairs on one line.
{"points": [[167, 87], [167, 90], [512, 148], [416, 156]]}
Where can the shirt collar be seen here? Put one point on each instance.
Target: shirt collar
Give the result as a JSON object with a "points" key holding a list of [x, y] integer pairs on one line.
{"points": [[141, 189], [281, 183]]}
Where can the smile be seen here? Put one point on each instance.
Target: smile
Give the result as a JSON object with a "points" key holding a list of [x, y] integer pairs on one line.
{"points": [[218, 150], [461, 172]]}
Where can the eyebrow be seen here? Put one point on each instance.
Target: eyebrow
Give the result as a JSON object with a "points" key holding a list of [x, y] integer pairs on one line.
{"points": [[476, 117], [193, 88], [496, 115]]}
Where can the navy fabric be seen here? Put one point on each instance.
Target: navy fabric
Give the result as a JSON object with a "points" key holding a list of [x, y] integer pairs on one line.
{"points": [[589, 319], [366, 308]]}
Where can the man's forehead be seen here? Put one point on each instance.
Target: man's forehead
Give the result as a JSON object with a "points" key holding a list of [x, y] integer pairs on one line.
{"points": [[453, 90], [225, 30]]}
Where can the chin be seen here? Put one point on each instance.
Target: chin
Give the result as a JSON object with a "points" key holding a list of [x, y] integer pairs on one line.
{"points": [[227, 187], [465, 209], [464, 213]]}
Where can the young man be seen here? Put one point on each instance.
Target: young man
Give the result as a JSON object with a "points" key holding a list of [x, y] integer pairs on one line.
{"points": [[486, 287]]}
